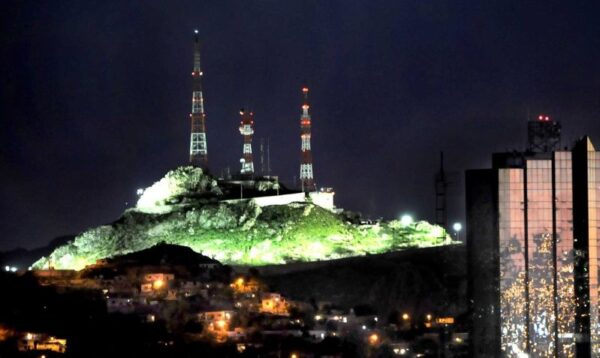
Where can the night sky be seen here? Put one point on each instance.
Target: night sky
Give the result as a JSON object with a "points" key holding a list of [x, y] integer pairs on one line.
{"points": [[95, 96]]}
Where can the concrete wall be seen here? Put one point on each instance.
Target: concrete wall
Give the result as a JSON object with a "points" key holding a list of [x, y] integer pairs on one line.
{"points": [[280, 199], [323, 199]]}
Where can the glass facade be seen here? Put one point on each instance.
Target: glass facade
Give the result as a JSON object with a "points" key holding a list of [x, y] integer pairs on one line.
{"points": [[533, 224], [535, 238], [511, 227], [565, 260], [540, 250], [593, 195]]}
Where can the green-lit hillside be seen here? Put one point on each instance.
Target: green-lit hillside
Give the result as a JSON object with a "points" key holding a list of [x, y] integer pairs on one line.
{"points": [[187, 208]]}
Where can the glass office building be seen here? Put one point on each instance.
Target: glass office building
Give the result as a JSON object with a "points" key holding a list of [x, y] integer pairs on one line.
{"points": [[532, 232]]}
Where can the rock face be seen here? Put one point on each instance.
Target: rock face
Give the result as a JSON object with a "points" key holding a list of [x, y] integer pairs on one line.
{"points": [[186, 208]]}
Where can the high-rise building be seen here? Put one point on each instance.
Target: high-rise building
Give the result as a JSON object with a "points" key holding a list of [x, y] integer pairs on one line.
{"points": [[198, 147], [532, 236]]}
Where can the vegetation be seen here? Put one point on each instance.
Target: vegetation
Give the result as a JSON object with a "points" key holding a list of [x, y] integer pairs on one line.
{"points": [[183, 209]]}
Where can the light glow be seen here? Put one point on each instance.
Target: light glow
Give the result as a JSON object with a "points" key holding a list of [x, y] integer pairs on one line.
{"points": [[406, 220], [457, 227]]}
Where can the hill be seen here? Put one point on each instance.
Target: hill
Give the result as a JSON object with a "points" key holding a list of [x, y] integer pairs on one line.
{"points": [[422, 281], [24, 258], [190, 208]]}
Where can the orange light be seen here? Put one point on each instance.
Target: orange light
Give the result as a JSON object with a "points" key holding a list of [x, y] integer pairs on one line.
{"points": [[305, 89], [373, 339], [158, 284], [445, 320]]}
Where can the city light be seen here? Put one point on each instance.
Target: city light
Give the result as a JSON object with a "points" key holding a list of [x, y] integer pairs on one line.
{"points": [[158, 284], [373, 339], [405, 316]]}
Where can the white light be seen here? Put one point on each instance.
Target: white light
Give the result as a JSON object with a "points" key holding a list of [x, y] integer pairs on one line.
{"points": [[195, 31], [406, 220], [140, 191], [457, 227], [6, 268], [13, 269]]}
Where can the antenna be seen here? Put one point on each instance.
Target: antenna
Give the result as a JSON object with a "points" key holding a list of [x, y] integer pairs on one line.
{"points": [[198, 147], [441, 184], [269, 156], [306, 164], [262, 156]]}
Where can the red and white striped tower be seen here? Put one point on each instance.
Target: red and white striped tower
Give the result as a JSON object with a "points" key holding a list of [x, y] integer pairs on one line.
{"points": [[247, 130], [306, 166], [198, 148]]}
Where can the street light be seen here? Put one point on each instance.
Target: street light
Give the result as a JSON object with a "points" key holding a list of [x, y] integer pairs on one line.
{"points": [[406, 220], [457, 227], [373, 339]]}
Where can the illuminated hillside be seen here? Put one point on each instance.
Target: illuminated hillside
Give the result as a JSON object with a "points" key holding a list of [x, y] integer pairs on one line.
{"points": [[187, 208]]}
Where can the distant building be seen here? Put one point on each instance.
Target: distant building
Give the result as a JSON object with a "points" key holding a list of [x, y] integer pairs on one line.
{"points": [[41, 342], [274, 303], [120, 304], [533, 225]]}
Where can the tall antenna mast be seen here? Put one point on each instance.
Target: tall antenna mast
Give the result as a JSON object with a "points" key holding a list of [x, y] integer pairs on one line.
{"points": [[441, 184], [198, 147], [247, 130], [306, 165], [262, 156], [269, 156]]}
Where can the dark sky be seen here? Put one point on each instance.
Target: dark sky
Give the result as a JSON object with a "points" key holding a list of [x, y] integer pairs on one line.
{"points": [[95, 96]]}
